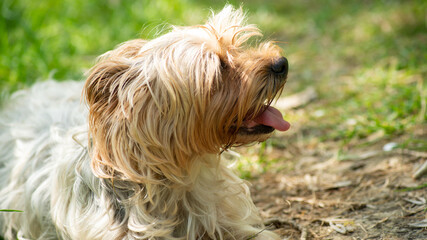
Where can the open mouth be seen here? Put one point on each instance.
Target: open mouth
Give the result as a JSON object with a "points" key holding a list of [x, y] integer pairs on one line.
{"points": [[266, 122]]}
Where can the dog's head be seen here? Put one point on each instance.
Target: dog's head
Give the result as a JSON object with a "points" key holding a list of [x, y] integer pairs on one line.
{"points": [[192, 91]]}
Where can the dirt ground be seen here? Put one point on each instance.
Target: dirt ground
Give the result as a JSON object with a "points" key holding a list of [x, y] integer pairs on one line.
{"points": [[363, 195]]}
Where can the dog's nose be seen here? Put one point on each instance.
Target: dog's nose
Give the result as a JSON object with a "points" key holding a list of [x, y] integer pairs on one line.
{"points": [[280, 66]]}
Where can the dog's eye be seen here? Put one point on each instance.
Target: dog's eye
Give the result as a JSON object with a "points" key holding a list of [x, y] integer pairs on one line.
{"points": [[223, 65]]}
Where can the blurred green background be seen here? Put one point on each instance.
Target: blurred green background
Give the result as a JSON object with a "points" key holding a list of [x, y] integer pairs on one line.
{"points": [[367, 60]]}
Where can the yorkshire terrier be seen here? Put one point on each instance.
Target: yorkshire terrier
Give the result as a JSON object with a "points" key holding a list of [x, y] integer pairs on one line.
{"points": [[141, 159]]}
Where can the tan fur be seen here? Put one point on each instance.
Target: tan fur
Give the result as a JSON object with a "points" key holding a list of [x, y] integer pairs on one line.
{"points": [[160, 114]]}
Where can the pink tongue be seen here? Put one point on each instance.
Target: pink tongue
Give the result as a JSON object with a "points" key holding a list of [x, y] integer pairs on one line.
{"points": [[273, 118]]}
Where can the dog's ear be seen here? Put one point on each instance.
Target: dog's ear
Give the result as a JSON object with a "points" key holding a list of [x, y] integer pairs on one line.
{"points": [[105, 95], [133, 106], [110, 75]]}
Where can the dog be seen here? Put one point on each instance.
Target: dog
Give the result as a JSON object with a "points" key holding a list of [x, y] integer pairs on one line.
{"points": [[140, 156]]}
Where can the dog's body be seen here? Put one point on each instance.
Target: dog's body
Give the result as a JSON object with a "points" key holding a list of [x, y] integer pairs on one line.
{"points": [[147, 163]]}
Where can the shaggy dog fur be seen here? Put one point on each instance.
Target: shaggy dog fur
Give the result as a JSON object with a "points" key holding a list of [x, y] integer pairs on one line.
{"points": [[142, 158]]}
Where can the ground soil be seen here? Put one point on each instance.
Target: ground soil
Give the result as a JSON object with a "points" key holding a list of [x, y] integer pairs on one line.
{"points": [[361, 196]]}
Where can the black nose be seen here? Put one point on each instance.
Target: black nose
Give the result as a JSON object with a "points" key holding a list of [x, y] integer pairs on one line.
{"points": [[280, 66]]}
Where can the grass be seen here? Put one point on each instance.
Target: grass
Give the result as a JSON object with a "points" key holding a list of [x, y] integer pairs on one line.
{"points": [[61, 39], [366, 59], [422, 186], [9, 210]]}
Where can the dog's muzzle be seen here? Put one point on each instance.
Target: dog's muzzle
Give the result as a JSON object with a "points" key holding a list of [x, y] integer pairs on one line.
{"points": [[270, 118]]}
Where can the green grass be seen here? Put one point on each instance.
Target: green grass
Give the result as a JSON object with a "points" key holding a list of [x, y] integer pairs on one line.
{"points": [[366, 59], [62, 38], [422, 186], [9, 210]]}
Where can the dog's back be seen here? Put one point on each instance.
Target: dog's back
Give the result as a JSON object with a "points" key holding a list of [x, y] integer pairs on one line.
{"points": [[32, 121]]}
